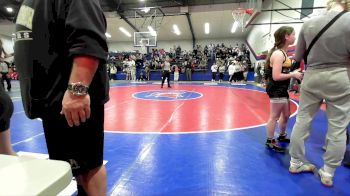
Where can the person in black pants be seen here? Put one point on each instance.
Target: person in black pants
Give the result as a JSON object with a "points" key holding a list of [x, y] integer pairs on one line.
{"points": [[60, 54], [166, 72], [188, 70], [6, 110]]}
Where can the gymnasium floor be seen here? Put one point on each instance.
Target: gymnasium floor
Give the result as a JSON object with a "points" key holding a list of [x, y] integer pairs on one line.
{"points": [[197, 138]]}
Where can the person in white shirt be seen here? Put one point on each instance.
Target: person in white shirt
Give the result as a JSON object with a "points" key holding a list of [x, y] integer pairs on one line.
{"points": [[222, 70], [176, 72], [166, 72], [113, 71], [132, 67], [238, 74], [231, 70], [4, 67], [214, 69]]}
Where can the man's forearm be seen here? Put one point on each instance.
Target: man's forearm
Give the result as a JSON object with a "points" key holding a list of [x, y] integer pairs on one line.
{"points": [[84, 69]]}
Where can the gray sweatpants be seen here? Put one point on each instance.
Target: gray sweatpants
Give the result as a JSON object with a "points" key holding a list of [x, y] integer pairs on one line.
{"points": [[332, 85]]}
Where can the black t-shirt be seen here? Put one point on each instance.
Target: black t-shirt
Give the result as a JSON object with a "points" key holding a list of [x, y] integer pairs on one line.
{"points": [[49, 34]]}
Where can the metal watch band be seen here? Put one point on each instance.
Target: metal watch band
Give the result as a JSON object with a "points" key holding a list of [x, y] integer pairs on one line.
{"points": [[78, 88]]}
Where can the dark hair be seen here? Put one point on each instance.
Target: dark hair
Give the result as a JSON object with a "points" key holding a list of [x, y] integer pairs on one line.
{"points": [[280, 41]]}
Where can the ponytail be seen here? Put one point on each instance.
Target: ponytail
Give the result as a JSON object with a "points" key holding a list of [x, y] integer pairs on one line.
{"points": [[267, 68], [267, 62]]}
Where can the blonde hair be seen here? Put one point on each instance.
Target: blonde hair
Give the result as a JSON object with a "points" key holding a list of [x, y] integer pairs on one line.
{"points": [[344, 3]]}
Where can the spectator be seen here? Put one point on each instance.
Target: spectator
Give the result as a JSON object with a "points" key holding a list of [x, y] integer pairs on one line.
{"points": [[166, 72], [214, 69], [113, 71], [4, 67], [176, 69], [6, 110], [188, 70], [147, 70], [231, 70]]}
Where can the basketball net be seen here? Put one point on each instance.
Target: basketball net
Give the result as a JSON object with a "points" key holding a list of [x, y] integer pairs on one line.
{"points": [[238, 17], [143, 48]]}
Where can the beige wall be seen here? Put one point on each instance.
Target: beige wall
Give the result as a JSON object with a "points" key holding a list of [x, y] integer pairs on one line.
{"points": [[261, 37]]}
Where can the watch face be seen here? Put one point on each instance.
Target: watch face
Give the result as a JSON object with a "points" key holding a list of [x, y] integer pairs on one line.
{"points": [[79, 89]]}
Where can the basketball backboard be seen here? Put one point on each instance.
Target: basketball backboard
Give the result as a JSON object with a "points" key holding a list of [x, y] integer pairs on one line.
{"points": [[144, 39]]}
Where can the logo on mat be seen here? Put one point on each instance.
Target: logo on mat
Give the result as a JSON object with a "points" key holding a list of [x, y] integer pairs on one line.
{"points": [[167, 95]]}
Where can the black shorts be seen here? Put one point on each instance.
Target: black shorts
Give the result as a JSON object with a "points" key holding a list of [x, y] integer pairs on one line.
{"points": [[277, 90], [6, 110], [81, 146]]}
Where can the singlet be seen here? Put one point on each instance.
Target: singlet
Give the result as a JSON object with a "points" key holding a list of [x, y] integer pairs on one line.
{"points": [[286, 66]]}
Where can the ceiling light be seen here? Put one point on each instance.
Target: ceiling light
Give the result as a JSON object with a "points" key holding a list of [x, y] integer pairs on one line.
{"points": [[152, 31], [146, 9], [234, 27], [108, 35], [176, 29], [9, 9], [206, 28], [125, 31]]}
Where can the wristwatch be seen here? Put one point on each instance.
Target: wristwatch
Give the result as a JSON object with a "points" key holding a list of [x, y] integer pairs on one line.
{"points": [[78, 89]]}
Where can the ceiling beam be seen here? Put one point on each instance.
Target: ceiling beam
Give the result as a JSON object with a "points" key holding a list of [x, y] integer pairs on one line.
{"points": [[175, 14], [288, 9], [161, 11], [178, 3], [294, 10], [191, 28], [122, 16], [185, 2], [129, 23], [269, 23], [138, 13]]}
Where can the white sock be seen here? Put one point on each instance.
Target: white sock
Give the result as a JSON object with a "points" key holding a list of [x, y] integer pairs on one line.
{"points": [[295, 162], [328, 171]]}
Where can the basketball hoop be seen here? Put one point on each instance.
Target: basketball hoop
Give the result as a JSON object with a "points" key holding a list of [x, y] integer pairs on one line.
{"points": [[249, 11], [238, 17], [143, 49]]}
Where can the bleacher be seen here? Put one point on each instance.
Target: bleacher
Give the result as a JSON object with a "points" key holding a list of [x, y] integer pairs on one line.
{"points": [[200, 60]]}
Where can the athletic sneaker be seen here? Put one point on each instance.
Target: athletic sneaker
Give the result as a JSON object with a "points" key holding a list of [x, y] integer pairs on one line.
{"points": [[326, 178], [283, 138], [272, 144], [300, 167]]}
